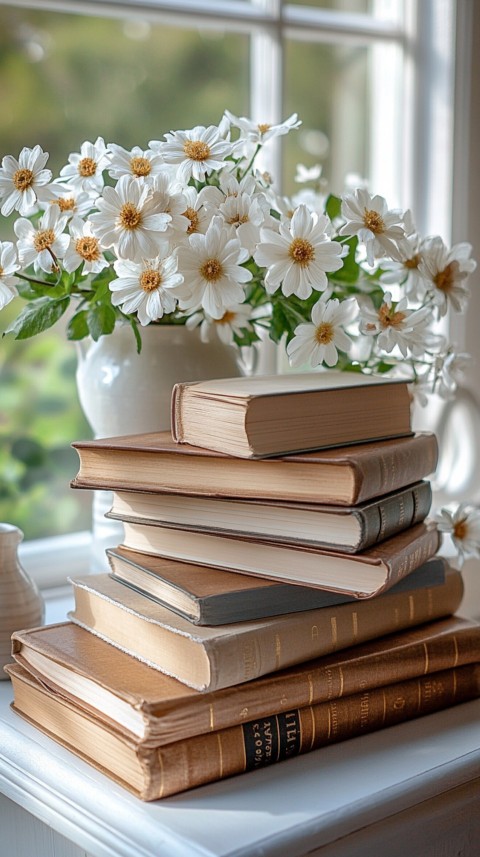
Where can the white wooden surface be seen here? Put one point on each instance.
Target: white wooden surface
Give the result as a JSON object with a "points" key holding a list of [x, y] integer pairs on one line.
{"points": [[415, 786]]}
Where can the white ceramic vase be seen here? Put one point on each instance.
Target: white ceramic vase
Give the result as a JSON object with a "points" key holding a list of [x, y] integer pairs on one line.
{"points": [[123, 392]]}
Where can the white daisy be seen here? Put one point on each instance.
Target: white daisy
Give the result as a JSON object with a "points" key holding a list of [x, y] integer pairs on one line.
{"points": [[376, 226], [449, 369], [307, 174], [234, 320], [198, 211], [463, 527], [405, 266], [196, 152], [317, 342], [446, 272], [85, 168], [171, 200], [24, 182], [244, 216], [299, 255], [8, 266], [84, 248], [211, 265], [395, 325], [260, 132], [130, 219], [72, 201], [146, 288], [137, 163], [45, 243]]}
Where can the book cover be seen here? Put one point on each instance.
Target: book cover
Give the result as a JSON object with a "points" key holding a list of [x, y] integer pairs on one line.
{"points": [[156, 709], [209, 658], [348, 529], [346, 476], [263, 415], [361, 575], [157, 772], [211, 596]]}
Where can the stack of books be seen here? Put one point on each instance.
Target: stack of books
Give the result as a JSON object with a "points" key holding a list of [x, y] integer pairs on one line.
{"points": [[278, 588]]}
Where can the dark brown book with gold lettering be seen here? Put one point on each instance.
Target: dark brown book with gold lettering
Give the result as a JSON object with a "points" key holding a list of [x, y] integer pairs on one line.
{"points": [[156, 709], [156, 772]]}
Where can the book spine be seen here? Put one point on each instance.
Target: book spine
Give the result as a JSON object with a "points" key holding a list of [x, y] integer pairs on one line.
{"points": [[301, 637], [267, 740], [412, 556], [393, 514], [392, 468]]}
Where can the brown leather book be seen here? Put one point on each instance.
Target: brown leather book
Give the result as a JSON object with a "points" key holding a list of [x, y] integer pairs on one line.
{"points": [[209, 658], [344, 477], [156, 772], [211, 596], [361, 575], [345, 528], [156, 709], [262, 415]]}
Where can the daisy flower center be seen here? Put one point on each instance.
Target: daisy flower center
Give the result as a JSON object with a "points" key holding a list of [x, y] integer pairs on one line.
{"points": [[150, 280], [373, 221], [87, 248], [301, 251], [226, 318], [87, 168], [445, 279], [212, 270], [324, 333], [2, 271], [130, 217], [43, 240], [196, 150], [64, 204], [238, 219], [140, 167], [389, 318], [460, 530], [264, 127], [23, 179], [192, 215], [412, 263]]}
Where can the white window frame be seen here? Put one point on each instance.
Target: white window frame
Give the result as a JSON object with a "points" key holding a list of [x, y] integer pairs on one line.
{"points": [[432, 172]]}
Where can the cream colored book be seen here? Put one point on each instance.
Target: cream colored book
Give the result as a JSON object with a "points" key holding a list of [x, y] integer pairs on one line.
{"points": [[266, 415]]}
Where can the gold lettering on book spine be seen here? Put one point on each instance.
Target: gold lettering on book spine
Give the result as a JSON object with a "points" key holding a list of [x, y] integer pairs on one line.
{"points": [[411, 608], [212, 717], [314, 730], [278, 651], [455, 645], [333, 626], [310, 688], [355, 625], [425, 651], [220, 755]]}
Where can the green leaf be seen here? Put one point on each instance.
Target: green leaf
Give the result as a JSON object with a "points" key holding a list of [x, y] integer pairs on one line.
{"points": [[77, 327], [38, 316], [101, 320], [333, 206]]}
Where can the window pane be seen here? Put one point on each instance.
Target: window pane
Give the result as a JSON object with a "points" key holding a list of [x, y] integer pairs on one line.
{"points": [[364, 6], [328, 87], [66, 79]]}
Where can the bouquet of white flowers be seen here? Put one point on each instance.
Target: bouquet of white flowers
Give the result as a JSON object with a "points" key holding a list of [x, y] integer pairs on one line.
{"points": [[188, 231]]}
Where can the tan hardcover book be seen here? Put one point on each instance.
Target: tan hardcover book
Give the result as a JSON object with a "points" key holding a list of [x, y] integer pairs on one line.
{"points": [[156, 772], [208, 658], [156, 710], [262, 415], [361, 575], [348, 529], [344, 477], [211, 596]]}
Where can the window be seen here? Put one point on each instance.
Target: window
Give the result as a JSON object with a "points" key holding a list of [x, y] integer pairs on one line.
{"points": [[372, 80]]}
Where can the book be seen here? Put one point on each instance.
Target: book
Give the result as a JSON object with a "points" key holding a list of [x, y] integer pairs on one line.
{"points": [[344, 477], [209, 658], [349, 529], [160, 771], [211, 596], [263, 415], [156, 709], [361, 575]]}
